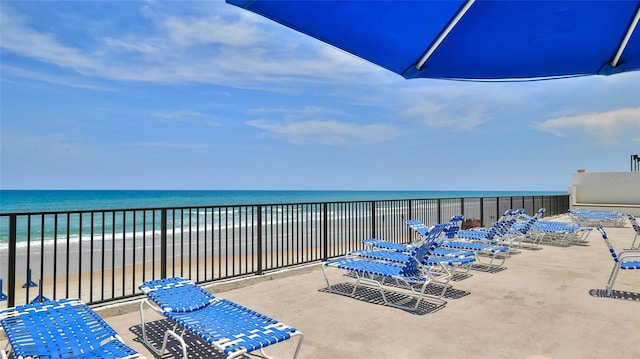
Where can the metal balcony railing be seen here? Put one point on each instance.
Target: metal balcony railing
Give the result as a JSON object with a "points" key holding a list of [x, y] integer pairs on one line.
{"points": [[102, 255]]}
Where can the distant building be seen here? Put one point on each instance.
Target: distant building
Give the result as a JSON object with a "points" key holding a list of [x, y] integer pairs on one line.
{"points": [[616, 191]]}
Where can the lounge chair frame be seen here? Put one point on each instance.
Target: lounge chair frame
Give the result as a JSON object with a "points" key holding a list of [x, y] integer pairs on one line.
{"points": [[560, 234], [597, 218], [626, 259], [379, 275], [489, 256], [411, 275], [456, 261], [229, 327], [636, 228]]}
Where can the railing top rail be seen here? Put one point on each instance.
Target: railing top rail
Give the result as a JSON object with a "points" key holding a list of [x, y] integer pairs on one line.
{"points": [[139, 209]]}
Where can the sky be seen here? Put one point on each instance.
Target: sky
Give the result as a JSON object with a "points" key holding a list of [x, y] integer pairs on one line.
{"points": [[205, 95]]}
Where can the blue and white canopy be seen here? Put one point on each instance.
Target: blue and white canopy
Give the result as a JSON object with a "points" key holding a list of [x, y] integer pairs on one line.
{"points": [[472, 40]]}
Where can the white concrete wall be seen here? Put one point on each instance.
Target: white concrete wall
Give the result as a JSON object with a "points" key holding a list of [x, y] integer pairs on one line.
{"points": [[606, 190]]}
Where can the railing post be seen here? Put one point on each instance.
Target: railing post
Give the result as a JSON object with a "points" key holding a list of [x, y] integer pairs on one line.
{"points": [[410, 211], [325, 234], [11, 293], [163, 243], [373, 219], [439, 218], [481, 211], [259, 271]]}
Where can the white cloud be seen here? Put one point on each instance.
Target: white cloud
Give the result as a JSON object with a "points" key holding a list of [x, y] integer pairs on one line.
{"points": [[192, 31], [615, 125], [330, 133], [319, 125], [443, 114], [64, 80], [220, 45], [172, 145], [22, 40], [190, 117]]}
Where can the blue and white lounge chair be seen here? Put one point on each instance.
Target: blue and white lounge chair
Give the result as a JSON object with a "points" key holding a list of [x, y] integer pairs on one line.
{"points": [[594, 218], [423, 233], [626, 259], [492, 255], [412, 275], [522, 230], [636, 228], [449, 265], [433, 238], [419, 228], [231, 328], [489, 255], [560, 233], [499, 233], [65, 328]]}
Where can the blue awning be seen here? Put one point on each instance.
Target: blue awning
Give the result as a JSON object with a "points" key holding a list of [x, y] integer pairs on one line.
{"points": [[472, 40]]}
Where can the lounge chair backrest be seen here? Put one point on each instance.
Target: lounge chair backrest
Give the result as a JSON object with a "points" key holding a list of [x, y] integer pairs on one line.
{"points": [[531, 221], [634, 222], [503, 226], [506, 214], [538, 214], [189, 298], [497, 229], [606, 240], [420, 254], [454, 225], [431, 242]]}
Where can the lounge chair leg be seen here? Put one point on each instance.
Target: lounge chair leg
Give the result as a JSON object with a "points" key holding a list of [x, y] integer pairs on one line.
{"points": [[165, 337], [295, 354], [265, 355], [384, 297], [612, 279], [355, 286], [324, 273], [144, 331], [4, 354]]}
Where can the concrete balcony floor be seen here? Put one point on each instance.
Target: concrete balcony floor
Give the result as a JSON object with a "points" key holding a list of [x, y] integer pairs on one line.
{"points": [[546, 303]]}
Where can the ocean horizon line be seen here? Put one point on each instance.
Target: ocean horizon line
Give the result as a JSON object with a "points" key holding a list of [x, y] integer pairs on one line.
{"points": [[60, 200], [263, 190]]}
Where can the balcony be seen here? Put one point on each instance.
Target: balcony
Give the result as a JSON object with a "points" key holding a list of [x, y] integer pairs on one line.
{"points": [[546, 304]]}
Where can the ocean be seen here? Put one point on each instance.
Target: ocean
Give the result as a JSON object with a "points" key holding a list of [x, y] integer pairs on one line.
{"points": [[115, 226], [122, 214], [12, 201]]}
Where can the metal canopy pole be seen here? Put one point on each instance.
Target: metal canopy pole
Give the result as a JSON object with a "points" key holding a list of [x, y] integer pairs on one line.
{"points": [[444, 34], [627, 36]]}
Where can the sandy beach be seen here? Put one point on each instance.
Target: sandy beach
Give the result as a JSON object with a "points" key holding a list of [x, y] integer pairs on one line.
{"points": [[101, 269]]}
